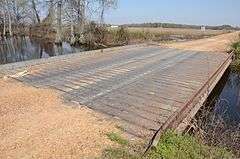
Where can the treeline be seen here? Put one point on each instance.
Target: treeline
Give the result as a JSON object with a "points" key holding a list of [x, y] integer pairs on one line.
{"points": [[73, 16], [172, 25]]}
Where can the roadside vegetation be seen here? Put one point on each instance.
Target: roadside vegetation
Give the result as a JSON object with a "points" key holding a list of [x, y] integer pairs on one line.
{"points": [[133, 35], [236, 50], [184, 26], [171, 146]]}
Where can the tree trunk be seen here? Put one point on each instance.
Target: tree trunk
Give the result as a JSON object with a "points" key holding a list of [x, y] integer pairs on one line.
{"points": [[59, 23], [9, 19], [10, 25], [50, 12], [35, 11], [4, 23], [81, 15], [72, 41], [102, 12]]}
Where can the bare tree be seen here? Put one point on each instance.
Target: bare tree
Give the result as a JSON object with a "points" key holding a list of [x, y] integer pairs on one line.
{"points": [[104, 5], [62, 14], [78, 9], [34, 7], [9, 17], [4, 23], [3, 16]]}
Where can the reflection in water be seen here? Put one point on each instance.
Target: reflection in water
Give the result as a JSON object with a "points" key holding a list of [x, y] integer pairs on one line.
{"points": [[225, 99], [25, 48]]}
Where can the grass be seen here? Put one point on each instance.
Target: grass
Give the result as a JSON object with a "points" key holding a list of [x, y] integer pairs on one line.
{"points": [[134, 35], [119, 153], [171, 146], [235, 65], [177, 31], [236, 49], [117, 138], [176, 146]]}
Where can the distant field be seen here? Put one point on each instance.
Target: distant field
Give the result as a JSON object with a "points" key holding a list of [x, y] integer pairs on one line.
{"points": [[178, 31], [143, 34], [139, 34]]}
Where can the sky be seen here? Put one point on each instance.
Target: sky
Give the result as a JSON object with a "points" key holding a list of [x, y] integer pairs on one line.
{"points": [[199, 12]]}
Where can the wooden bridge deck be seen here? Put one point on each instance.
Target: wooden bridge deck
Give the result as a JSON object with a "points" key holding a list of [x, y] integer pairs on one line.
{"points": [[145, 87]]}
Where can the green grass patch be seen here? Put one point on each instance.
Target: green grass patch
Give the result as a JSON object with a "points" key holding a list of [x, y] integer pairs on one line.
{"points": [[236, 49], [176, 146], [117, 138], [119, 153], [235, 66], [171, 146]]}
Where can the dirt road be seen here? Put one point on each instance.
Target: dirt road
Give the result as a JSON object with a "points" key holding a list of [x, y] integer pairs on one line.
{"points": [[35, 123], [220, 43]]}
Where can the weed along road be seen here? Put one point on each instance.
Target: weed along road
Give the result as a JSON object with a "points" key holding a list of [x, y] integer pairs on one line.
{"points": [[145, 87]]}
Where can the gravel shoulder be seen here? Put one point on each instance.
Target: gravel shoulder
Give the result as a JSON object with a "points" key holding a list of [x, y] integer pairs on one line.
{"points": [[36, 123]]}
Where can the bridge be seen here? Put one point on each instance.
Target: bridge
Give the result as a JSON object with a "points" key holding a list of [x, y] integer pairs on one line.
{"points": [[146, 88]]}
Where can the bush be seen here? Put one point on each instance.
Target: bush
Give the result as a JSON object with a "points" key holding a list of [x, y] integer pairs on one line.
{"points": [[122, 36], [95, 35]]}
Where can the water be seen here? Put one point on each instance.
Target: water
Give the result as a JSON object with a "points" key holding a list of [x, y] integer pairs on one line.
{"points": [[25, 48], [225, 98]]}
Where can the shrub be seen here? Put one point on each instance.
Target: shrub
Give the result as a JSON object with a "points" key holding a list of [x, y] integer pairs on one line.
{"points": [[122, 36]]}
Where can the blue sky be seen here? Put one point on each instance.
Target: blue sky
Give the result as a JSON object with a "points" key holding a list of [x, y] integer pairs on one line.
{"points": [[202, 12]]}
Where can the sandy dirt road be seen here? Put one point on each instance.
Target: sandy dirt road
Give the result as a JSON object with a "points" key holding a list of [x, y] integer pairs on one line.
{"points": [[35, 123], [220, 43]]}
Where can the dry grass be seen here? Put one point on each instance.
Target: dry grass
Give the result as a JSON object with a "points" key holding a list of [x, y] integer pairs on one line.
{"points": [[178, 31], [141, 34], [213, 130]]}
